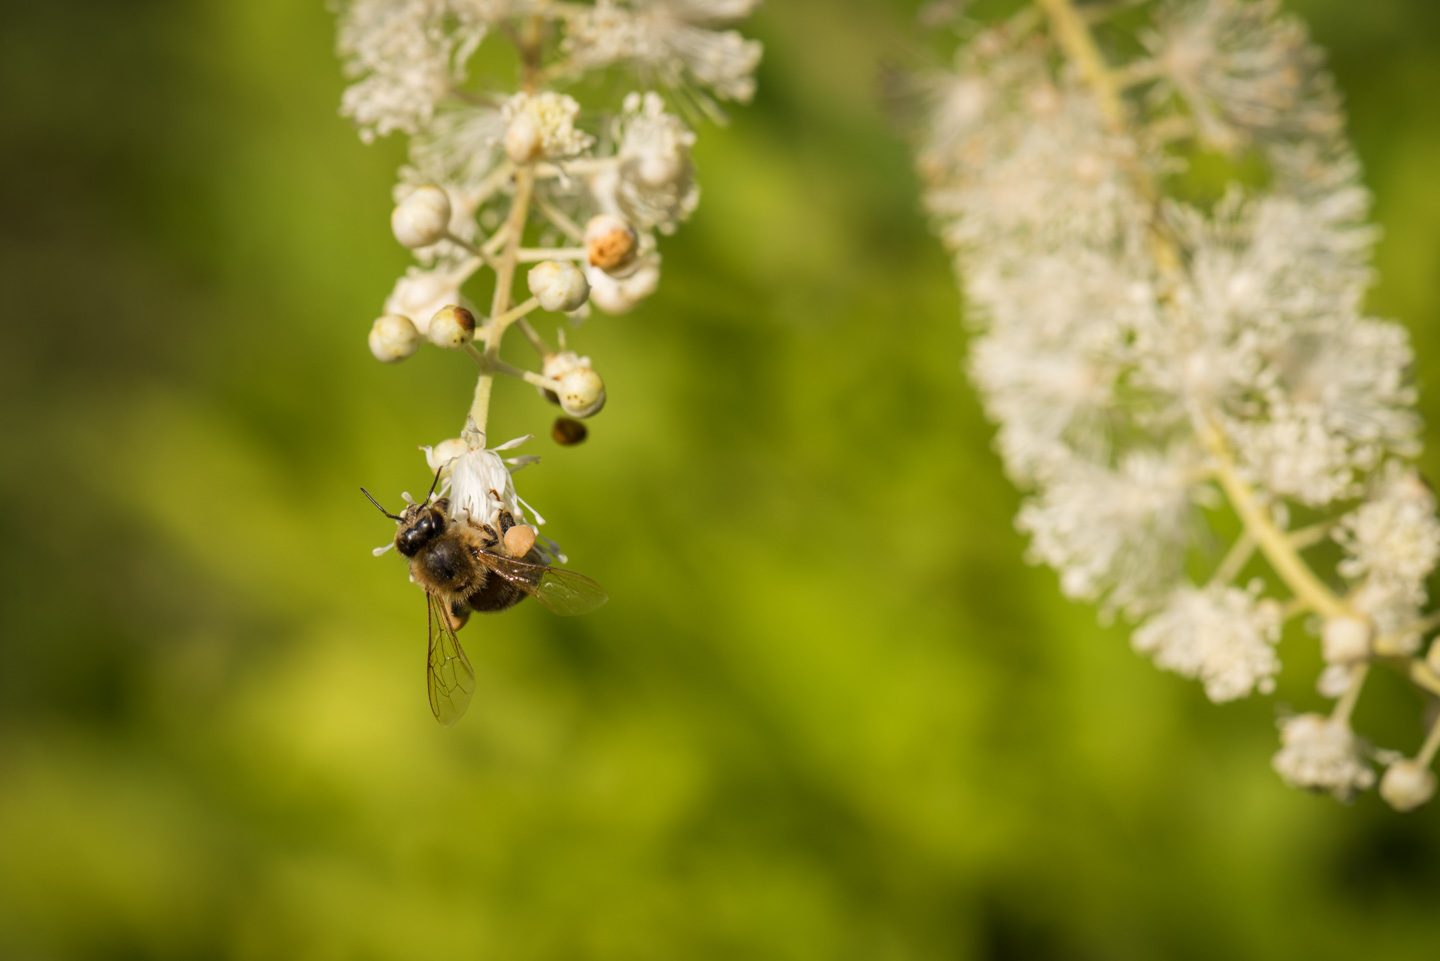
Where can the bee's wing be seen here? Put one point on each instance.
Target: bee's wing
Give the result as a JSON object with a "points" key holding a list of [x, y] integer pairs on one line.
{"points": [[564, 592], [448, 673]]}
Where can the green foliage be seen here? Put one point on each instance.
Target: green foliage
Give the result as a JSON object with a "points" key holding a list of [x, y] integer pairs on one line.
{"points": [[828, 713]]}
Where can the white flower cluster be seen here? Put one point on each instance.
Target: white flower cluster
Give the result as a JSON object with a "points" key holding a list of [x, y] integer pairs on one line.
{"points": [[675, 41], [523, 181], [1150, 359]]}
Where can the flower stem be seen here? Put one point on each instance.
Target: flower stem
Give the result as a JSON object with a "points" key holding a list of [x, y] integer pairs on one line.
{"points": [[1234, 560], [1272, 541], [1431, 745], [529, 255], [513, 234], [1346, 705]]}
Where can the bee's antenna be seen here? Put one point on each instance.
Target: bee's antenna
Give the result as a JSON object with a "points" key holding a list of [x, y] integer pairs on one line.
{"points": [[377, 505], [435, 484]]}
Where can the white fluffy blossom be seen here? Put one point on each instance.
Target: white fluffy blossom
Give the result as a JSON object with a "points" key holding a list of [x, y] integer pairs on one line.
{"points": [[1144, 356], [1057, 180], [457, 149], [1117, 535], [480, 482], [672, 39], [616, 295], [1244, 70], [651, 184], [1222, 636], [1319, 754], [1394, 537], [407, 54], [542, 125]]}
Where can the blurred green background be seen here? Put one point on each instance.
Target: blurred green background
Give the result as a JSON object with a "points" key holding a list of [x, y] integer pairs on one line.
{"points": [[828, 713]]}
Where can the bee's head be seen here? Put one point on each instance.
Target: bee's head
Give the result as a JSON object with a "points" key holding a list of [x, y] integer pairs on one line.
{"points": [[419, 525]]}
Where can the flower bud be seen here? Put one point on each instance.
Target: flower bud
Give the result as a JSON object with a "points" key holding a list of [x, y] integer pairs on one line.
{"points": [[567, 432], [422, 218], [445, 451], [519, 539], [1345, 639], [560, 286], [393, 338], [582, 392], [618, 295], [452, 327], [558, 364], [524, 141], [1407, 785], [610, 243]]}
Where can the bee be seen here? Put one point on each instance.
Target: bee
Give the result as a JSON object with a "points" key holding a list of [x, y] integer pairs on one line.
{"points": [[466, 566]]}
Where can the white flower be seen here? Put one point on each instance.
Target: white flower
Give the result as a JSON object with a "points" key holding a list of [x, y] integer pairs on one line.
{"points": [[542, 126], [616, 295], [671, 39], [652, 186], [1338, 401], [408, 55], [457, 149], [1394, 608], [480, 483], [444, 452], [1057, 183], [1243, 70], [1295, 456], [1222, 636], [1334, 680], [1059, 340], [1394, 536], [420, 295], [1319, 754], [1116, 535]]}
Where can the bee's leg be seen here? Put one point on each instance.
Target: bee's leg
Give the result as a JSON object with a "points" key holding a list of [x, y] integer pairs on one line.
{"points": [[506, 520]]}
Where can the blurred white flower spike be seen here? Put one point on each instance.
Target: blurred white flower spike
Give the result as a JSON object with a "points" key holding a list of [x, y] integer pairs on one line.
{"points": [[504, 181], [1157, 358]]}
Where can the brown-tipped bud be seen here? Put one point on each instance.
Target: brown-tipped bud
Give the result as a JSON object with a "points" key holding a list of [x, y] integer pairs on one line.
{"points": [[567, 432], [519, 539], [452, 327], [610, 243]]}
